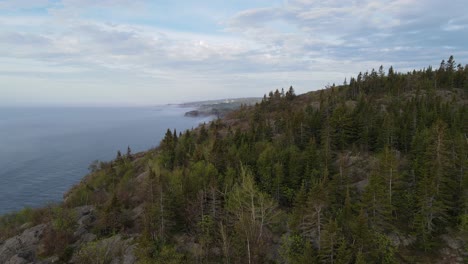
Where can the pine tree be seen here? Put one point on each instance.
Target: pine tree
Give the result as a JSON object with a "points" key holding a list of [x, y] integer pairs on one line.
{"points": [[290, 94], [433, 193], [129, 152], [376, 202], [389, 164], [314, 219], [333, 248]]}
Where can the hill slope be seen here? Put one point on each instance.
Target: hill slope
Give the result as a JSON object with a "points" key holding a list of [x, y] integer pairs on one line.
{"points": [[374, 171]]}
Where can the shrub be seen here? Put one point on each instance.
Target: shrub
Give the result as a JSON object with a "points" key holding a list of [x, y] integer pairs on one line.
{"points": [[101, 252]]}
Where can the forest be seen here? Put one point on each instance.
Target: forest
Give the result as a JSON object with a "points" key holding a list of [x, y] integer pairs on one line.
{"points": [[374, 170]]}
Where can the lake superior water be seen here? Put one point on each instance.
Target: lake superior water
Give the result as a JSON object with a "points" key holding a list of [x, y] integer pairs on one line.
{"points": [[44, 151]]}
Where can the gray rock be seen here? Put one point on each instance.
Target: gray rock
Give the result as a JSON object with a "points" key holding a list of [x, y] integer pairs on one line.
{"points": [[407, 241], [83, 210], [445, 252], [22, 246], [142, 177], [395, 239], [129, 256], [452, 242], [50, 260], [361, 185], [138, 211], [85, 238], [16, 259], [80, 231], [86, 220], [26, 226]]}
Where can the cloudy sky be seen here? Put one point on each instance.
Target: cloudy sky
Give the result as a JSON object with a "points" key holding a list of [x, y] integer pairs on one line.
{"points": [[138, 52]]}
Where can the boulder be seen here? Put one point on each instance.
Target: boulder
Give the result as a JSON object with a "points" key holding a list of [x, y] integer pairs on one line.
{"points": [[86, 220], [22, 247], [83, 211]]}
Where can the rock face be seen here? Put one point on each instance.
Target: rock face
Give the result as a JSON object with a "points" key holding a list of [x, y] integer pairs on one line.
{"points": [[85, 218], [22, 248], [401, 240]]}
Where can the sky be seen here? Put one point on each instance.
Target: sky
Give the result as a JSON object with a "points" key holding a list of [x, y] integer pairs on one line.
{"points": [[142, 52]]}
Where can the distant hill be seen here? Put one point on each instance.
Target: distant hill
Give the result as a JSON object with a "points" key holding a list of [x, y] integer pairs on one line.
{"points": [[218, 108], [371, 171]]}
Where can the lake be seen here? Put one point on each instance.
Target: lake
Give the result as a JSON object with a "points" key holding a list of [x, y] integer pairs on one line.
{"points": [[44, 151]]}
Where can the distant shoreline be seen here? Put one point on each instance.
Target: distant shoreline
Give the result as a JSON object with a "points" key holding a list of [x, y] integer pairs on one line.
{"points": [[218, 108]]}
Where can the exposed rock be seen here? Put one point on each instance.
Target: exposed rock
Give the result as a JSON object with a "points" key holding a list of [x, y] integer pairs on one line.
{"points": [[129, 255], [83, 237], [400, 240], [50, 260], [408, 240], [83, 211], [25, 226], [85, 216], [16, 259], [448, 255], [452, 242], [86, 220], [138, 211], [142, 177], [395, 239], [22, 246], [80, 231], [361, 185]]}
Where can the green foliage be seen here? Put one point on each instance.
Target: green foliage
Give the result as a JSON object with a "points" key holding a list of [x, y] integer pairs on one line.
{"points": [[10, 224], [386, 250], [332, 173], [253, 214], [63, 219], [59, 235], [296, 249], [101, 252], [167, 255]]}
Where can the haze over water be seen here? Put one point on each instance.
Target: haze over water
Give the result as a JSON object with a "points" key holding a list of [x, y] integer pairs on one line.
{"points": [[44, 151]]}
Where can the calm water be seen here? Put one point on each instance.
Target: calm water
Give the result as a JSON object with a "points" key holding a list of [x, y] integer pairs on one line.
{"points": [[44, 151]]}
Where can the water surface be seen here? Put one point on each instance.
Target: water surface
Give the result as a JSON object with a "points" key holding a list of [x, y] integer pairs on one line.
{"points": [[44, 151]]}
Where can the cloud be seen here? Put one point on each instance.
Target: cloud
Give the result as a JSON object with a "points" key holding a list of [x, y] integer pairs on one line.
{"points": [[234, 50], [358, 30]]}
